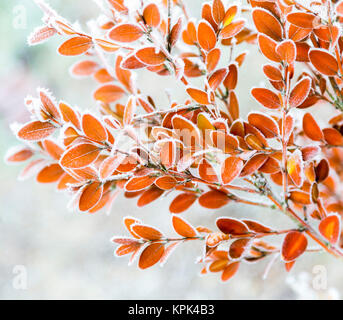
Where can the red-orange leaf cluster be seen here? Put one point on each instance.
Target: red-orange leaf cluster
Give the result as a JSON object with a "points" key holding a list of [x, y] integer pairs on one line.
{"points": [[202, 150]]}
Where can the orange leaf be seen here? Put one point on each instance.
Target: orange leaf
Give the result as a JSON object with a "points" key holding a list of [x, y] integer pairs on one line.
{"points": [[151, 15], [206, 13], [300, 92], [93, 128], [215, 238], [303, 49], [18, 154], [238, 248], [266, 23], [270, 166], [268, 47], [231, 168], [90, 196], [264, 123], [80, 156], [146, 105], [234, 106], [75, 46], [230, 15], [302, 19], [50, 173], [69, 115], [139, 183], [102, 76], [289, 265], [84, 68], [189, 35], [333, 136], [49, 106], [126, 249], [218, 11], [311, 128], [253, 164], [253, 142], [108, 93], [217, 78], [129, 110], [295, 167], [166, 182], [213, 199], [272, 73], [128, 222], [146, 232], [107, 46], [300, 197], [230, 271], [53, 149], [330, 228], [107, 200], [198, 95], [65, 180], [296, 33], [289, 126], [150, 56], [266, 97], [218, 265], [109, 165], [70, 135], [287, 51], [175, 33], [256, 226], [232, 226], [325, 33], [212, 59], [87, 173], [131, 62], [123, 75], [183, 228], [182, 202], [232, 29], [230, 81], [40, 35], [206, 36], [149, 196], [151, 255], [125, 32], [204, 124], [119, 6], [65, 28], [294, 244], [128, 164], [36, 131], [323, 61]]}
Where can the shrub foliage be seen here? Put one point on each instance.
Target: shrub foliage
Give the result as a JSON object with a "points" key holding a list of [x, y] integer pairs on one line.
{"points": [[201, 149]]}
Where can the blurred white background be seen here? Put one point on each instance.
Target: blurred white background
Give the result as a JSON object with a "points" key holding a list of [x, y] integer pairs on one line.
{"points": [[68, 255]]}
